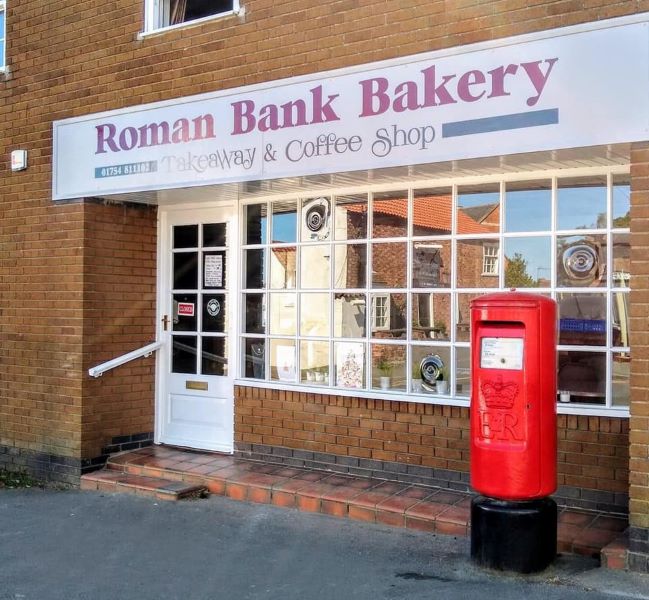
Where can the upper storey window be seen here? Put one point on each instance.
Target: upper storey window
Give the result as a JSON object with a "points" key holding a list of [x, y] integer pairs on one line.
{"points": [[168, 13], [2, 33]]}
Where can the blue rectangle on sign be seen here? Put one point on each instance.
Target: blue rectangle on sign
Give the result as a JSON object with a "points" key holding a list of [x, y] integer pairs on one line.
{"points": [[501, 123], [147, 166]]}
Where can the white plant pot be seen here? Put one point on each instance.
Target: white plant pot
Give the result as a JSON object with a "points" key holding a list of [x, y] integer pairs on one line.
{"points": [[442, 387], [385, 383], [564, 396]]}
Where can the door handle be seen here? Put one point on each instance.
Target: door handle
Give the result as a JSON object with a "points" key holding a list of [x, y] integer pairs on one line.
{"points": [[165, 322]]}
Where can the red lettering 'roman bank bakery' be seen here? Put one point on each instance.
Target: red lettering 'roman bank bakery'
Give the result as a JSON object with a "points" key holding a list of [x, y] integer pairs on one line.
{"points": [[262, 223]]}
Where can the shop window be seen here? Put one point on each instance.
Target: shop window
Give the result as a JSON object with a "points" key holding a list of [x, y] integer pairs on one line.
{"points": [[358, 291], [167, 13], [2, 33]]}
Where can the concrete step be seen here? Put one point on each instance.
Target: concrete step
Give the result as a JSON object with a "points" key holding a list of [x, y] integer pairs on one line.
{"points": [[112, 480]]}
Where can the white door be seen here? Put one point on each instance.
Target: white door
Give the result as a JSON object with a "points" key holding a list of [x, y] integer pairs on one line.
{"points": [[195, 406]]}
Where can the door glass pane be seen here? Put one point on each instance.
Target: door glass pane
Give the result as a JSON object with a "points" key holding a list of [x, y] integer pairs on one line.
{"points": [[183, 354], [349, 315], [214, 358], [185, 314], [255, 320], [350, 264], [527, 262], [432, 212], [214, 306], [581, 203], [186, 236], [256, 223], [351, 217], [214, 234], [254, 359], [390, 214], [214, 274], [185, 270], [253, 269]]}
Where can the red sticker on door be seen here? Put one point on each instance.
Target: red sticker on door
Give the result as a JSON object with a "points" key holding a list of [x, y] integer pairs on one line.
{"points": [[186, 309]]}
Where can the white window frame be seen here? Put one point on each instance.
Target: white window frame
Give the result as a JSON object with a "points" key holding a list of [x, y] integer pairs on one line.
{"points": [[458, 347], [3, 36], [490, 258], [154, 13], [380, 312]]}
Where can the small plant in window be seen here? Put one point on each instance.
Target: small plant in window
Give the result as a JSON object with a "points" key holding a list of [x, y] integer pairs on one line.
{"points": [[385, 367], [442, 381]]}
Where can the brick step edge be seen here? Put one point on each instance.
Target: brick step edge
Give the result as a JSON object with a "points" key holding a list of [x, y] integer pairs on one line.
{"points": [[614, 555], [111, 480]]}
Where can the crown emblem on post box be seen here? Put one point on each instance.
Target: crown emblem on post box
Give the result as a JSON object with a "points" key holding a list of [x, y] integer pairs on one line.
{"points": [[499, 394]]}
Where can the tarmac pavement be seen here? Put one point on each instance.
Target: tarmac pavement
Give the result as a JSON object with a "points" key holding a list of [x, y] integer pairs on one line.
{"points": [[73, 545]]}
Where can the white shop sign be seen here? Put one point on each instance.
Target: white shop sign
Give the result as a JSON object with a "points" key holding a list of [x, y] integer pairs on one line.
{"points": [[566, 88]]}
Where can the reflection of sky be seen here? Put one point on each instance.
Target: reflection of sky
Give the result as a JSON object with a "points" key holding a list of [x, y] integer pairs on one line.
{"points": [[469, 200], [528, 210], [284, 227], [579, 207], [535, 250], [621, 200]]}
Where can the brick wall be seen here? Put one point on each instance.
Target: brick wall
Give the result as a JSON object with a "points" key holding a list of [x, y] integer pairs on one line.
{"points": [[419, 442]]}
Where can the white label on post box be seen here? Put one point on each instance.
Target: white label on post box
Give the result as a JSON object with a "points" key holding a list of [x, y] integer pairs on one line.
{"points": [[502, 353]]}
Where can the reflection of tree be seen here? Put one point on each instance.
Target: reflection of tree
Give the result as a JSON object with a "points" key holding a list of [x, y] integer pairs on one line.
{"points": [[516, 274], [621, 222]]}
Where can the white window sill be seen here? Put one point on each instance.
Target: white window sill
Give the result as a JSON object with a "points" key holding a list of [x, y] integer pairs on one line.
{"points": [[194, 23]]}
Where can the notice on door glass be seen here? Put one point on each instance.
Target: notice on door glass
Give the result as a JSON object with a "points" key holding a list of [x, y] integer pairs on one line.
{"points": [[213, 270], [501, 353]]}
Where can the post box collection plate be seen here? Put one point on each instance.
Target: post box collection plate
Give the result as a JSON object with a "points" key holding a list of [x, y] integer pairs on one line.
{"points": [[502, 353]]}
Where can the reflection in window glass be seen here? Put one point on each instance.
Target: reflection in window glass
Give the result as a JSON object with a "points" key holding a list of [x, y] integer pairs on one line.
{"points": [[314, 314], [621, 378], [284, 222], [255, 321], [283, 364], [463, 317], [254, 359], [581, 261], [256, 224], [282, 268], [431, 316], [283, 314], [620, 320], [186, 236], [431, 264], [390, 214], [314, 266], [253, 261], [185, 270], [314, 362], [349, 316], [389, 316], [527, 262], [214, 234], [582, 319], [350, 264], [214, 312], [388, 367], [316, 219], [432, 210], [528, 206], [214, 358], [477, 263], [621, 201], [581, 203], [478, 209], [463, 371], [185, 313], [583, 374], [351, 217], [621, 260], [389, 265], [427, 376]]}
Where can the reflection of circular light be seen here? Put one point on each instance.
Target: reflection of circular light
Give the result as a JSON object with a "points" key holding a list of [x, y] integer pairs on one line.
{"points": [[316, 216], [257, 349], [431, 368], [580, 261], [315, 219]]}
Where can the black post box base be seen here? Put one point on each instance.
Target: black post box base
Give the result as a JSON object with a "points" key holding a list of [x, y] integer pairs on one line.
{"points": [[513, 536]]}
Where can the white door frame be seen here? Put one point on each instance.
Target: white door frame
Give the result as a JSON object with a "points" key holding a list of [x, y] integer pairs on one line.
{"points": [[194, 214]]}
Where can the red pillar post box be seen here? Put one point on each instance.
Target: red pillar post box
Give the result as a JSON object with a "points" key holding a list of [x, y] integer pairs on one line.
{"points": [[513, 430]]}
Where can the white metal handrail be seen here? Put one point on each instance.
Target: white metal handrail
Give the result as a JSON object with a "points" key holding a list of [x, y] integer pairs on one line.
{"points": [[147, 350]]}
